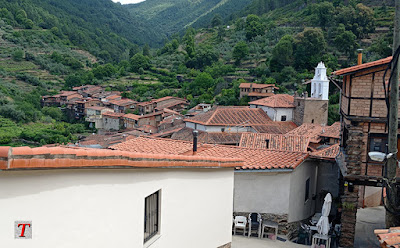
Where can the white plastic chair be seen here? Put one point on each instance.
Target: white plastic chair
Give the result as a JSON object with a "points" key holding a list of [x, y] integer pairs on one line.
{"points": [[240, 223]]}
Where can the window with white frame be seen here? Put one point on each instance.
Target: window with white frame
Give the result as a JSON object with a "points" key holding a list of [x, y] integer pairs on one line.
{"points": [[151, 216]]}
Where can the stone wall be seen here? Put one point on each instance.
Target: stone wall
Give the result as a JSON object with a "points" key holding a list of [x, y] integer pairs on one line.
{"points": [[310, 110], [354, 150]]}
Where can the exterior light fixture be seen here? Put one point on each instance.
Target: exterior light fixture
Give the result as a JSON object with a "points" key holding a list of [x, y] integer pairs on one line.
{"points": [[379, 156]]}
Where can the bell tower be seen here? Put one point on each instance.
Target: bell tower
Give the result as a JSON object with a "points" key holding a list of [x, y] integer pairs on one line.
{"points": [[320, 83]]}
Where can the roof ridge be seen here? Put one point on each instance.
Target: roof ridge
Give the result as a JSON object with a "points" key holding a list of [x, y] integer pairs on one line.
{"points": [[212, 116]]}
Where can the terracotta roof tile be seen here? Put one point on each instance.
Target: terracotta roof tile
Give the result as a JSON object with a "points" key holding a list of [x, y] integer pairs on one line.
{"points": [[113, 115], [275, 127], [231, 116], [276, 101], [316, 131], [327, 153], [257, 86], [275, 142], [259, 94], [67, 157], [356, 68], [332, 131], [388, 237], [253, 158], [132, 116], [186, 134]]}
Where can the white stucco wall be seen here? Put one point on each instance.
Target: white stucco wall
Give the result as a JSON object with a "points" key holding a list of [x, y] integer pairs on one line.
{"points": [[262, 192], [105, 207], [300, 209], [217, 129], [276, 113]]}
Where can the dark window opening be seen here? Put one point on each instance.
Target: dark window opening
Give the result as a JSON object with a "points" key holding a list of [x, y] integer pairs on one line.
{"points": [[283, 118], [267, 143], [151, 216], [307, 195], [312, 121]]}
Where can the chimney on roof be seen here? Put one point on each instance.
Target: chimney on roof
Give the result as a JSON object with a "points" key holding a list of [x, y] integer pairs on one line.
{"points": [[195, 134], [267, 143], [359, 59]]}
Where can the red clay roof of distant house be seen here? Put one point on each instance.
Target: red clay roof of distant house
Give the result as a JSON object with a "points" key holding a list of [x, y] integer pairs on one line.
{"points": [[65, 157], [99, 108], [261, 94], [356, 68], [253, 158], [132, 116], [113, 115], [171, 104], [145, 103], [122, 102], [257, 86], [327, 153], [276, 101], [231, 116], [277, 142], [167, 98], [112, 97]]}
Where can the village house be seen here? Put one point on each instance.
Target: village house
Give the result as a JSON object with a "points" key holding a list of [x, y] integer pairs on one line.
{"points": [[173, 103], [255, 183], [146, 107], [278, 107], [224, 125], [256, 91], [80, 106], [59, 99], [106, 198], [364, 129], [112, 121], [122, 106], [94, 115]]}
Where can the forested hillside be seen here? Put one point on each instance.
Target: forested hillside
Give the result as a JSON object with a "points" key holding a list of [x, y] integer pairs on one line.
{"points": [[173, 16], [102, 27]]}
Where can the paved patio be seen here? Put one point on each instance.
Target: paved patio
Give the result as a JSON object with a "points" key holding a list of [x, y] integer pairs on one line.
{"points": [[368, 219], [239, 241]]}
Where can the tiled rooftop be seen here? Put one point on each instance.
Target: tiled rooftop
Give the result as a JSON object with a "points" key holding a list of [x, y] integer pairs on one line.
{"points": [[231, 116], [275, 127], [122, 102], [253, 158], [209, 138], [316, 131], [256, 86], [275, 142], [388, 238], [356, 68], [327, 153], [132, 116], [276, 101], [65, 157]]}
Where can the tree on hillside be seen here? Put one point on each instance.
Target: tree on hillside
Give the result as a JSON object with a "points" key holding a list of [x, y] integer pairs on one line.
{"points": [[345, 41], [201, 83], [205, 55], [323, 13], [146, 50], [359, 19], [216, 20], [254, 27], [282, 54], [139, 61], [240, 51], [309, 46]]}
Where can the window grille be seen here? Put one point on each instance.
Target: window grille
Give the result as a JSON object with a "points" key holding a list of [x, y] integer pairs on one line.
{"points": [[151, 216]]}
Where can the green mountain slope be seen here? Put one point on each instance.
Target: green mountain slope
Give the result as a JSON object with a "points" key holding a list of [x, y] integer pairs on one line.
{"points": [[102, 27], [172, 16]]}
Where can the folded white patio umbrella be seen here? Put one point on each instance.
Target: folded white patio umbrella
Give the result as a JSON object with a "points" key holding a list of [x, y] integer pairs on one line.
{"points": [[323, 223]]}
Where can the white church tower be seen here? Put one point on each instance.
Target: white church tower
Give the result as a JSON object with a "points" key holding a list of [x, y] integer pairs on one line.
{"points": [[320, 83]]}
